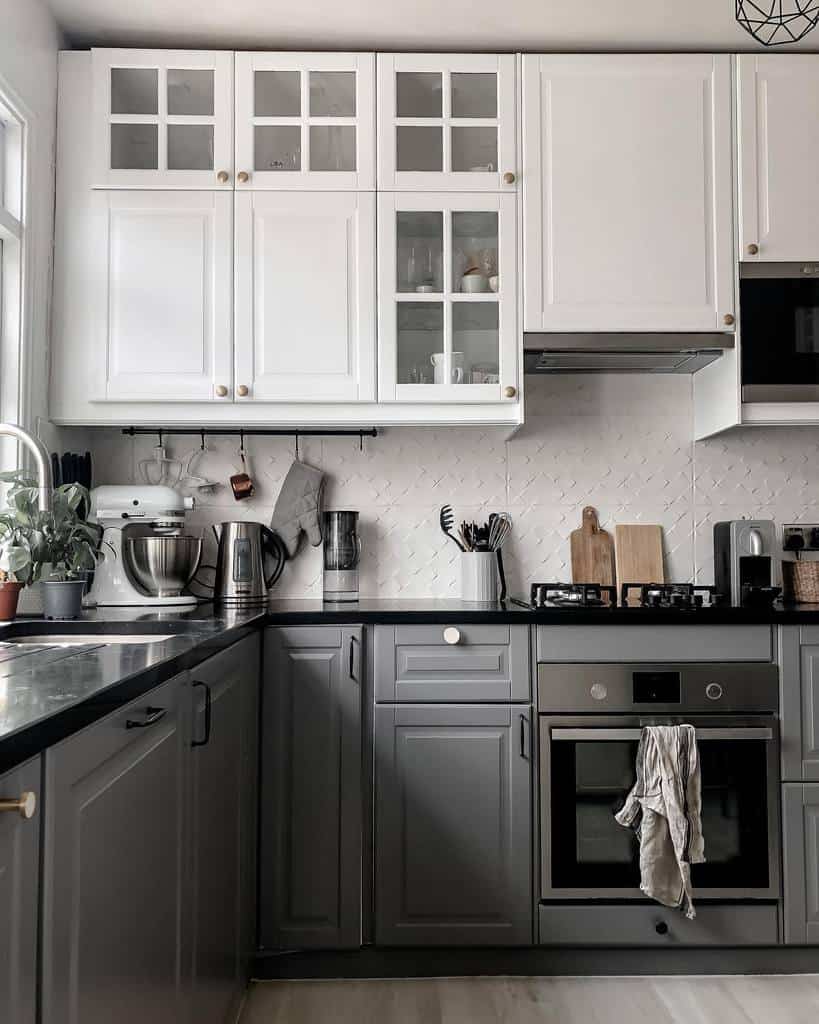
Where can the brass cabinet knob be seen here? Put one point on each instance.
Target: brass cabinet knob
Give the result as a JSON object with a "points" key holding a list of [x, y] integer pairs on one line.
{"points": [[510, 392], [221, 390], [509, 178], [753, 249], [452, 635], [25, 806], [729, 319], [223, 177], [243, 391], [243, 176]]}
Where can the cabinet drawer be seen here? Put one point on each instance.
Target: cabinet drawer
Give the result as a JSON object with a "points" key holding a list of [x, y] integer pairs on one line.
{"points": [[754, 925], [654, 643], [485, 663]]}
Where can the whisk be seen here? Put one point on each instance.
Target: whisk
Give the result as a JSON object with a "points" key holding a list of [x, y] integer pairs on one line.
{"points": [[500, 526]]}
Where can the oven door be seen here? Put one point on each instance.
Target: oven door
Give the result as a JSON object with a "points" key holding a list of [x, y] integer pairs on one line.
{"points": [[587, 767]]}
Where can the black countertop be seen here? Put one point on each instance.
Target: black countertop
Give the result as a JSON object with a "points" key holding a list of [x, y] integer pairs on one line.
{"points": [[48, 693]]}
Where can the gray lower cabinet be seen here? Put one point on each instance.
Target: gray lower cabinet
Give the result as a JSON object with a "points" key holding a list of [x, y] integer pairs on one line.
{"points": [[453, 825], [798, 658], [800, 805], [114, 868], [19, 893], [222, 763], [311, 786]]}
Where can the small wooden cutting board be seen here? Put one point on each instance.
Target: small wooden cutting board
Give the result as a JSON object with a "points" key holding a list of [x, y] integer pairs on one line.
{"points": [[639, 556], [592, 552]]}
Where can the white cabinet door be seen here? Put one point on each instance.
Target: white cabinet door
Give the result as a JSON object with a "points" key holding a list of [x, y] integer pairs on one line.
{"points": [[163, 119], [162, 262], [627, 192], [305, 120], [778, 114], [447, 121], [305, 296], [447, 297]]}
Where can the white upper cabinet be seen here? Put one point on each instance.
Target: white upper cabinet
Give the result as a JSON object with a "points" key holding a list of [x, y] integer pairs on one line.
{"points": [[305, 296], [162, 119], [447, 297], [161, 267], [305, 120], [627, 194], [447, 121], [778, 107]]}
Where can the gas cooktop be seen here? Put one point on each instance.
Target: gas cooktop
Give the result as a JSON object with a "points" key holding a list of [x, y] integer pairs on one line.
{"points": [[681, 596]]}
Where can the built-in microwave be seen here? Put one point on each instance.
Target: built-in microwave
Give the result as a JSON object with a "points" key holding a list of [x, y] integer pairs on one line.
{"points": [[779, 324]]}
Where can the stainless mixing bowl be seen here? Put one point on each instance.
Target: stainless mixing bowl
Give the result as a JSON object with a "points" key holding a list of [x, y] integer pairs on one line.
{"points": [[163, 566]]}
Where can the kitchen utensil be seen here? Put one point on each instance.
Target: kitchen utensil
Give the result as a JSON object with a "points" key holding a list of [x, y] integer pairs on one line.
{"points": [[500, 526], [88, 473], [479, 580], [242, 579], [163, 565], [191, 479], [160, 470], [56, 471], [592, 552], [342, 554], [241, 483], [639, 556], [447, 519]]}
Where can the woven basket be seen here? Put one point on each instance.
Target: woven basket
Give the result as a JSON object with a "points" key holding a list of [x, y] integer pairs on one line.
{"points": [[800, 582]]}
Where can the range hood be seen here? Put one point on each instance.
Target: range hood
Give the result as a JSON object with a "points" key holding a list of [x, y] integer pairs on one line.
{"points": [[622, 353]]}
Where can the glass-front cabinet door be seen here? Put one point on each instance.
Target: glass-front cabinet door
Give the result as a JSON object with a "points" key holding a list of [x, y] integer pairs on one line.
{"points": [[447, 121], [163, 119], [305, 120], [447, 297]]}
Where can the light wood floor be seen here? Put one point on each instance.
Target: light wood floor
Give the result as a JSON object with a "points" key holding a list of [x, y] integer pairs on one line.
{"points": [[667, 1000]]}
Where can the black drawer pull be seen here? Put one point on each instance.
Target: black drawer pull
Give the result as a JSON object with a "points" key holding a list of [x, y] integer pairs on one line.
{"points": [[152, 716], [203, 742], [661, 928]]}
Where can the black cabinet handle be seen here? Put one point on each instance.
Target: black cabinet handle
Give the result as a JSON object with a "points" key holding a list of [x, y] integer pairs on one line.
{"points": [[661, 928], [352, 659], [523, 736], [152, 716], [206, 740]]}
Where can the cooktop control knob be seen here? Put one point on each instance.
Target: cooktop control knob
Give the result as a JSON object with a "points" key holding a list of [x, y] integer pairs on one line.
{"points": [[713, 691], [599, 691]]}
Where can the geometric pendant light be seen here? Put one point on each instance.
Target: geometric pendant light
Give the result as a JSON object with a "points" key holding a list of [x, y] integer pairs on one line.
{"points": [[773, 22]]}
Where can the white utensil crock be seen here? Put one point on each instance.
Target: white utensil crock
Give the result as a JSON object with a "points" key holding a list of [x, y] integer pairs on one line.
{"points": [[479, 576]]}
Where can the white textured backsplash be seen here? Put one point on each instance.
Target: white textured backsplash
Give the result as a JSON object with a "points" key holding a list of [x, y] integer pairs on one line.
{"points": [[620, 443]]}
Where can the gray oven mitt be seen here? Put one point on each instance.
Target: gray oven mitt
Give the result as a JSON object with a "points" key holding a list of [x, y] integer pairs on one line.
{"points": [[299, 507]]}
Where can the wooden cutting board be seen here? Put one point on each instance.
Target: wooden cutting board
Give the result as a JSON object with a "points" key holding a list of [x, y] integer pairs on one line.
{"points": [[592, 552], [639, 556]]}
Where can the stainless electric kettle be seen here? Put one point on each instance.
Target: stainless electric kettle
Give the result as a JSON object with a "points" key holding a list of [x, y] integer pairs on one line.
{"points": [[241, 577]]}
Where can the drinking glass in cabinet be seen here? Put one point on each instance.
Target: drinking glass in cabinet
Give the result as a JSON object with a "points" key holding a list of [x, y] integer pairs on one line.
{"points": [[474, 94], [190, 92], [332, 147], [277, 93], [475, 334], [134, 91], [135, 147], [418, 94], [420, 242], [332, 94], [420, 337], [190, 147], [475, 251], [277, 147]]}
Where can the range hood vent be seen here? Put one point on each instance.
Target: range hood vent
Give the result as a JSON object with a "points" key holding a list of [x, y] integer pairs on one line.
{"points": [[622, 353]]}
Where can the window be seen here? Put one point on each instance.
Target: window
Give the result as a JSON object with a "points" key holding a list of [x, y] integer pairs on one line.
{"points": [[12, 133]]}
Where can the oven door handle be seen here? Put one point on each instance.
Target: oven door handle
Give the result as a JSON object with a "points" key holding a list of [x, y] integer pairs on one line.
{"points": [[740, 733]]}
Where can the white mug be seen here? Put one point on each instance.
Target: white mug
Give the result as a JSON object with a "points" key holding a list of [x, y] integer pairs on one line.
{"points": [[437, 360]]}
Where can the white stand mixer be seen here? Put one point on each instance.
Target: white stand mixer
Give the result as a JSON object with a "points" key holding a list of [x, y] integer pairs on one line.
{"points": [[146, 558]]}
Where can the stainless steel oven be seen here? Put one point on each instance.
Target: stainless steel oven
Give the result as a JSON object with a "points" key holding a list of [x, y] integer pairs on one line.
{"points": [[779, 325], [590, 719]]}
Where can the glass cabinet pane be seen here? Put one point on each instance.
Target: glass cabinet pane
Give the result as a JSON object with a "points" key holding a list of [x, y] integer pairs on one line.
{"points": [[134, 91], [277, 93], [475, 149], [420, 246], [190, 147], [277, 147], [475, 251], [332, 94], [135, 147], [475, 343], [418, 94], [474, 94], [332, 147], [190, 92], [420, 330], [419, 148]]}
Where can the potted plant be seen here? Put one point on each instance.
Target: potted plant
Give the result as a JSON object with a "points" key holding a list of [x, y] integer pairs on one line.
{"points": [[16, 566], [61, 545]]}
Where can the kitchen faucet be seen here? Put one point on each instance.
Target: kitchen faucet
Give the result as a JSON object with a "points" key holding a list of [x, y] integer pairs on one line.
{"points": [[45, 480]]}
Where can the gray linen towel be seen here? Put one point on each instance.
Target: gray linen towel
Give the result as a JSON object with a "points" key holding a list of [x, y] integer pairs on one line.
{"points": [[664, 810]]}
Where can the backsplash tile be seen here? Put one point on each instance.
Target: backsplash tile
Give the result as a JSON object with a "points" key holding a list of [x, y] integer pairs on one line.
{"points": [[621, 443]]}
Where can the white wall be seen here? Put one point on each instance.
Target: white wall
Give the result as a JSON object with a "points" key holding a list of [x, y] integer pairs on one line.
{"points": [[620, 443]]}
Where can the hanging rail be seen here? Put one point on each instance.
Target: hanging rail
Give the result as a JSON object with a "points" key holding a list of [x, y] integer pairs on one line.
{"points": [[247, 432]]}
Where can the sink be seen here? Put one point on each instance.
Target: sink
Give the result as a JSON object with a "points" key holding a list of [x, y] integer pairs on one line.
{"points": [[84, 639]]}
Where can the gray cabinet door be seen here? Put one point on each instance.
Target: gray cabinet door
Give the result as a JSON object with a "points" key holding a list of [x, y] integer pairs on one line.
{"points": [[453, 826], [223, 694], [809, 661], [19, 893], [310, 807], [113, 869], [798, 657], [801, 853]]}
